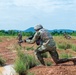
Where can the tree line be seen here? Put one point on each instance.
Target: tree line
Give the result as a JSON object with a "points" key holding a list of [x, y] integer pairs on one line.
{"points": [[15, 33]]}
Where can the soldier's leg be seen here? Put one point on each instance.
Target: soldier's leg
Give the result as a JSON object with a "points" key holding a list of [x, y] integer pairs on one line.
{"points": [[38, 52], [40, 58], [55, 57], [19, 42], [73, 59]]}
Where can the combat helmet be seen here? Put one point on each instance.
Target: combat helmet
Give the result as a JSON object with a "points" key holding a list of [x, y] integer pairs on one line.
{"points": [[38, 27]]}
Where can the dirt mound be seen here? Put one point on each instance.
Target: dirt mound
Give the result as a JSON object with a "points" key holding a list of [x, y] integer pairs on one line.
{"points": [[54, 70]]}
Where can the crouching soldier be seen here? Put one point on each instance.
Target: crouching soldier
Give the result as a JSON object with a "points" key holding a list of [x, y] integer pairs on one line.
{"points": [[66, 36], [19, 38], [47, 44]]}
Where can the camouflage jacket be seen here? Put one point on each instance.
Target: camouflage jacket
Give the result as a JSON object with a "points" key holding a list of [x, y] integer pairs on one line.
{"points": [[46, 38], [19, 36]]}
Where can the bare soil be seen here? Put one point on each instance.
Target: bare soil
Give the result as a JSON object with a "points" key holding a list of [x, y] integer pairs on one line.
{"points": [[8, 52]]}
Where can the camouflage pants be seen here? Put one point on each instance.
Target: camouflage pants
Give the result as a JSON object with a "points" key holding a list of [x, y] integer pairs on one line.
{"points": [[19, 42], [52, 51], [53, 54]]}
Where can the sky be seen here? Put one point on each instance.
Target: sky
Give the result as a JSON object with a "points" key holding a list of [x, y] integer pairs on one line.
{"points": [[23, 14]]}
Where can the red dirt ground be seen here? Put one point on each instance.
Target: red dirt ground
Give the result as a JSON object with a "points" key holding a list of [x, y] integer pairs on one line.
{"points": [[8, 52]]}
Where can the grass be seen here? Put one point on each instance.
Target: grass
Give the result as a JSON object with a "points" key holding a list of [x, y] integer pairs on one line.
{"points": [[20, 63], [44, 55], [30, 48], [74, 48], [48, 63], [62, 43], [24, 62], [64, 55], [31, 61], [2, 61], [29, 73], [64, 46], [20, 67]]}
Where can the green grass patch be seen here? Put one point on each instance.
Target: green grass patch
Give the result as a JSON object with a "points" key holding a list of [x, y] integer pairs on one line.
{"points": [[24, 62], [65, 55], [64, 46], [44, 55], [74, 48], [48, 63], [30, 48], [29, 73]]}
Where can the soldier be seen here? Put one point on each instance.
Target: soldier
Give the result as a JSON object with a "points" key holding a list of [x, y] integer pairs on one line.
{"points": [[19, 38], [47, 44], [66, 36]]}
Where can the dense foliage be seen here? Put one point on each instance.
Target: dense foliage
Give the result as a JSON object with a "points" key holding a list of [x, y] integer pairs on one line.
{"points": [[15, 33]]}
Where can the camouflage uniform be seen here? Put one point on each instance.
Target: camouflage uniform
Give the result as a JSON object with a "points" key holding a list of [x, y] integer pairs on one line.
{"points": [[47, 44], [67, 36], [19, 38]]}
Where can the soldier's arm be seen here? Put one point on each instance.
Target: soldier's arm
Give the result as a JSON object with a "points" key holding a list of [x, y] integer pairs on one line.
{"points": [[33, 40]]}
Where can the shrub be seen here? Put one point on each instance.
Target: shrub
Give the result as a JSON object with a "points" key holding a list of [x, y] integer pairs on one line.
{"points": [[24, 62], [31, 61], [20, 67]]}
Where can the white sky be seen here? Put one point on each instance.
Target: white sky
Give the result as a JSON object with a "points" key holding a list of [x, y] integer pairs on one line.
{"points": [[52, 14]]}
